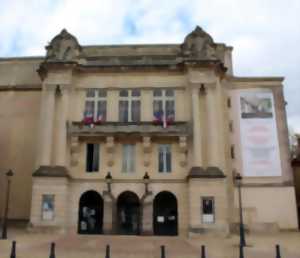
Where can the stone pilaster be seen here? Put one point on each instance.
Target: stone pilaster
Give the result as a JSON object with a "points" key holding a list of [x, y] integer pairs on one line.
{"points": [[197, 144], [61, 136], [213, 127], [46, 125]]}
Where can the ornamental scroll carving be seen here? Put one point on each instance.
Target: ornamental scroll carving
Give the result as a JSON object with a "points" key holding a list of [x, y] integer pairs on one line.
{"points": [[199, 44], [63, 47]]}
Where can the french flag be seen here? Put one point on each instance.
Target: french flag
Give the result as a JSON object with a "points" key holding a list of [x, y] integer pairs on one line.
{"points": [[99, 119], [158, 117], [88, 119]]}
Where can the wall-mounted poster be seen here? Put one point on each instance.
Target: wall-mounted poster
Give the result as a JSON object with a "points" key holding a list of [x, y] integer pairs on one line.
{"points": [[48, 207], [259, 140]]}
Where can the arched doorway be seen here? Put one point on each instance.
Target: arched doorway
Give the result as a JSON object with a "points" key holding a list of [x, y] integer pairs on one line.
{"points": [[165, 214], [128, 208], [90, 218]]}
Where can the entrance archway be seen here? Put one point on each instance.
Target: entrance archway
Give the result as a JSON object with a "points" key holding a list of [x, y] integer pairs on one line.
{"points": [[165, 214], [128, 210], [90, 218]]}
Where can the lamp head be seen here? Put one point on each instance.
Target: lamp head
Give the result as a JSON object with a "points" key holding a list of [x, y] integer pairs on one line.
{"points": [[146, 178], [238, 177], [9, 173], [108, 177]]}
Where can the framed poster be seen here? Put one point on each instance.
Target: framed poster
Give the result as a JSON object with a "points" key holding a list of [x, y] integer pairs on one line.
{"points": [[48, 207]]}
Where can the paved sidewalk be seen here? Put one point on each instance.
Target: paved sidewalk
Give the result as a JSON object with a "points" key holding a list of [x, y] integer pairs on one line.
{"points": [[33, 245]]}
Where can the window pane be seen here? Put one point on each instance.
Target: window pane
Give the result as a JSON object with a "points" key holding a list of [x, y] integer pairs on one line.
{"points": [[135, 93], [123, 111], [158, 109], [157, 93], [124, 93], [90, 93], [170, 93], [96, 157], [161, 159], [170, 112], [168, 160], [101, 112], [89, 109], [102, 93], [135, 111]]}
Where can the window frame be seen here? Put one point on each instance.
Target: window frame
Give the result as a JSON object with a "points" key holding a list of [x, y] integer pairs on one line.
{"points": [[128, 159], [97, 165], [96, 99], [130, 99], [166, 168], [165, 101]]}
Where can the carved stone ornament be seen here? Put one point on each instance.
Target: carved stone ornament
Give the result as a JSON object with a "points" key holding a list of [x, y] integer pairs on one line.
{"points": [[63, 47], [199, 44]]}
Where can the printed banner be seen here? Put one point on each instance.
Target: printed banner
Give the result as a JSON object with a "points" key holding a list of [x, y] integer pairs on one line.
{"points": [[260, 148]]}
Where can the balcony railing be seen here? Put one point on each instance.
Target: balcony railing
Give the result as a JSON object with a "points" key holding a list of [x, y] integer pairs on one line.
{"points": [[142, 128]]}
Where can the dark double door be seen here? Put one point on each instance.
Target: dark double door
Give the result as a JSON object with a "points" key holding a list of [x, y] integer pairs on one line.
{"points": [[128, 210], [90, 213], [165, 215]]}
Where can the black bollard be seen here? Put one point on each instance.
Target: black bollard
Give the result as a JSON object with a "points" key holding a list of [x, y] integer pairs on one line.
{"points": [[52, 251], [162, 252], [278, 255], [107, 251], [203, 253], [241, 251], [13, 250]]}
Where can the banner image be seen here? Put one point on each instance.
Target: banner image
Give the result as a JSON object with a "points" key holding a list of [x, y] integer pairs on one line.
{"points": [[259, 142]]}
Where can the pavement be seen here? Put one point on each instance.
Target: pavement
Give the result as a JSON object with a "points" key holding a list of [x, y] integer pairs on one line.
{"points": [[37, 245]]}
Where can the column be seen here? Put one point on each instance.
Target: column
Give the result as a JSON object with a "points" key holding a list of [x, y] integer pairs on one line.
{"points": [[212, 120], [46, 124], [61, 137], [147, 215], [197, 145]]}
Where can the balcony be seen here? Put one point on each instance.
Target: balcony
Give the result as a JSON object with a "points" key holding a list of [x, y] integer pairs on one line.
{"points": [[133, 128]]}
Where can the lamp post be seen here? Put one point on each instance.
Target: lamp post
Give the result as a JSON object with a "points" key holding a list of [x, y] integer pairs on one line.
{"points": [[146, 180], [238, 179], [108, 180], [8, 174]]}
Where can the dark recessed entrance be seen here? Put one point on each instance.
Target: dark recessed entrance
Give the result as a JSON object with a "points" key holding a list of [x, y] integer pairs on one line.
{"points": [[165, 215], [90, 217], [128, 206]]}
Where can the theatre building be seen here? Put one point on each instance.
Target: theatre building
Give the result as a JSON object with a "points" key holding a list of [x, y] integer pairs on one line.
{"points": [[143, 140]]}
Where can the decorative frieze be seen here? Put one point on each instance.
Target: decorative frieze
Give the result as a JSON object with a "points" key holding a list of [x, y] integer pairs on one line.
{"points": [[74, 150], [146, 150], [110, 149], [183, 151]]}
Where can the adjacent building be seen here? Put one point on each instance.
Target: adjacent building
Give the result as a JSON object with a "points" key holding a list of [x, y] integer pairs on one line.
{"points": [[143, 139]]}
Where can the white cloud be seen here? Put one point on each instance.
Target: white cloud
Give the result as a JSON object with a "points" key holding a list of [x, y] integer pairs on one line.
{"points": [[265, 34]]}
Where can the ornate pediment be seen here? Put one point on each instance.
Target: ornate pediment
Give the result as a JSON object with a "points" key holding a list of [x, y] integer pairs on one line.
{"points": [[199, 44], [63, 47]]}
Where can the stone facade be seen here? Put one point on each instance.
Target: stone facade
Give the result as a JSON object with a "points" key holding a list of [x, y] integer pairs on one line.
{"points": [[44, 139]]}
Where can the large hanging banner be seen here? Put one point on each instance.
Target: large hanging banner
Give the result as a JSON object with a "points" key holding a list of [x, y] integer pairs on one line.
{"points": [[260, 148]]}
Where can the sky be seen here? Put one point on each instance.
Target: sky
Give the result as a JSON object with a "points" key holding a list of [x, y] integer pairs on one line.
{"points": [[265, 34]]}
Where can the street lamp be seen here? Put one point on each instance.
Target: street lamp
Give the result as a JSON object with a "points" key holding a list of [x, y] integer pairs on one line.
{"points": [[238, 179], [8, 174], [146, 180], [108, 180]]}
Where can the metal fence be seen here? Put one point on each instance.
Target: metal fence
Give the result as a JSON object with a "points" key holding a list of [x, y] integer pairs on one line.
{"points": [[163, 254]]}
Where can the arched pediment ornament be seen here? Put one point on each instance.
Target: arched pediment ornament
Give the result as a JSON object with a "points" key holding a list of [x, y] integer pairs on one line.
{"points": [[199, 44], [63, 47]]}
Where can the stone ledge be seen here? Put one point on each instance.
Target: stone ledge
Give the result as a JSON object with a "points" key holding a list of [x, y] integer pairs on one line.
{"points": [[209, 172], [51, 171]]}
